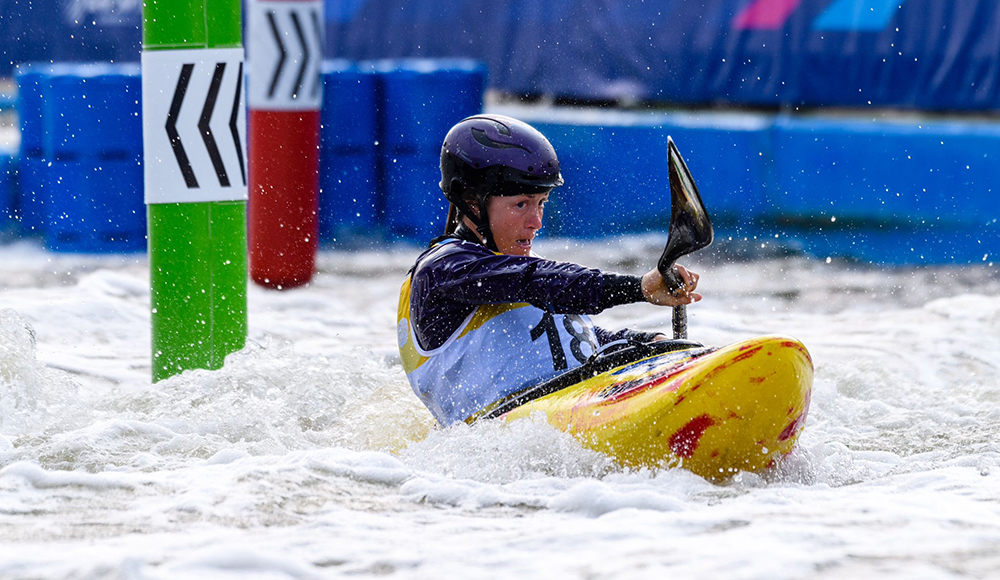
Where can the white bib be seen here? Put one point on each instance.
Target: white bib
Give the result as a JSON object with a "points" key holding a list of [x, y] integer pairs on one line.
{"points": [[497, 351]]}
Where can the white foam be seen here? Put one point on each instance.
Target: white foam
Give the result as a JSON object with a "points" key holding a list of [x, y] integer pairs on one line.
{"points": [[595, 498], [307, 455], [499, 452], [231, 562], [43, 479]]}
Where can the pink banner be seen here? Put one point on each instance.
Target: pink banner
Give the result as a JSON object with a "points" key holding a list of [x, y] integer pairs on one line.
{"points": [[765, 15]]}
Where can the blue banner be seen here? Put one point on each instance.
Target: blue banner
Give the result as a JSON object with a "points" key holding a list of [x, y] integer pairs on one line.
{"points": [[69, 31], [918, 54], [921, 54]]}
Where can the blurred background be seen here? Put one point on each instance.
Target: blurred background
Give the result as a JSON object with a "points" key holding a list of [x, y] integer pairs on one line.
{"points": [[858, 129]]}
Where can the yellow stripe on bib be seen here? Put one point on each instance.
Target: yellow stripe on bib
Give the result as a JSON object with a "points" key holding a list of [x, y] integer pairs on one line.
{"points": [[407, 348]]}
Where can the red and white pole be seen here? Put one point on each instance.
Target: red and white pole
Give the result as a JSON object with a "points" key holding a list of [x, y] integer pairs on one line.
{"points": [[285, 46]]}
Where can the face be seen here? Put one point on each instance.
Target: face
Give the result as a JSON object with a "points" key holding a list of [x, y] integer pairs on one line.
{"points": [[514, 221]]}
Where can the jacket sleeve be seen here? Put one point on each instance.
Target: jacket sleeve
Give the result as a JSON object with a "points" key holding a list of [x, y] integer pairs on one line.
{"points": [[471, 274]]}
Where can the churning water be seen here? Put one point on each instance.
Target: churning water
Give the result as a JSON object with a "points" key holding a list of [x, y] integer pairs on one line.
{"points": [[307, 456]]}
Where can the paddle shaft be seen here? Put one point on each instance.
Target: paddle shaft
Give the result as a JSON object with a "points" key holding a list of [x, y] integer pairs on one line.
{"points": [[674, 282], [680, 322]]}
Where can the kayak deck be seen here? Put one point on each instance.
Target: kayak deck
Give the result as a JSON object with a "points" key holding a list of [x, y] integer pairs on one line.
{"points": [[714, 412]]}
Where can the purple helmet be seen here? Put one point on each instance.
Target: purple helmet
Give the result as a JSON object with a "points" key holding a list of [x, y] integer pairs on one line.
{"points": [[487, 155]]}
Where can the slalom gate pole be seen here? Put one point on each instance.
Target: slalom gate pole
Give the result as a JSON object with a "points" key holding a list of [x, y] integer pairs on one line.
{"points": [[285, 48], [194, 129]]}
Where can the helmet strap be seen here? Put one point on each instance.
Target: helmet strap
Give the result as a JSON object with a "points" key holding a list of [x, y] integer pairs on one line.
{"points": [[481, 221], [454, 219], [483, 224]]}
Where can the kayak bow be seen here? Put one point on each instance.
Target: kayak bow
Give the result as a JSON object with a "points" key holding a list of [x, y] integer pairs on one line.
{"points": [[714, 412]]}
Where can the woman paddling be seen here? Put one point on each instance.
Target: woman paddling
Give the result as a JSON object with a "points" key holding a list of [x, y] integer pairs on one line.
{"points": [[480, 317]]}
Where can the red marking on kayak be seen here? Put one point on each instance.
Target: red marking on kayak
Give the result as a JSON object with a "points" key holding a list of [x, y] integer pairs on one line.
{"points": [[799, 347], [797, 422], [749, 353], [685, 441], [792, 427]]}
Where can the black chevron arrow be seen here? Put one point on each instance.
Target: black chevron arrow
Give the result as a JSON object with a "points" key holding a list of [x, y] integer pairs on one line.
{"points": [[175, 139], [206, 128], [281, 49], [233, 116], [318, 29], [305, 55]]}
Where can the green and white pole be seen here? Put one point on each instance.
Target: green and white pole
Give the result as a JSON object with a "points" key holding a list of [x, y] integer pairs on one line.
{"points": [[194, 141]]}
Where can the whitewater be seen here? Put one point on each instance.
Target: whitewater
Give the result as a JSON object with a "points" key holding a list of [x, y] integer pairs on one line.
{"points": [[307, 455]]}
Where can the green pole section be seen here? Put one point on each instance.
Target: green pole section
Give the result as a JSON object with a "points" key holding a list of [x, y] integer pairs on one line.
{"points": [[197, 250]]}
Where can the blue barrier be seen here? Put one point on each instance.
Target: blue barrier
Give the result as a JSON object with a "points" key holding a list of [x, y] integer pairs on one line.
{"points": [[96, 209], [31, 87], [69, 119], [349, 117], [422, 99], [616, 179], [419, 101], [390, 115], [93, 112], [349, 201], [66, 207], [890, 192], [32, 195], [81, 173], [415, 207], [886, 192], [120, 110], [615, 167], [897, 244], [30, 104], [886, 172]]}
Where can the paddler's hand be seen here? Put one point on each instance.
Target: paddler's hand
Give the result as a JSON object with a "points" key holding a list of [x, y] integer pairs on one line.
{"points": [[654, 288]]}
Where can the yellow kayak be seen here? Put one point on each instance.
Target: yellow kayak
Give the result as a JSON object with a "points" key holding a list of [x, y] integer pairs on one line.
{"points": [[713, 411]]}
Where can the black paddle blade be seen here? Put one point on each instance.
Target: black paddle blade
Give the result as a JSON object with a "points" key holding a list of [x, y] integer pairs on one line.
{"points": [[690, 228]]}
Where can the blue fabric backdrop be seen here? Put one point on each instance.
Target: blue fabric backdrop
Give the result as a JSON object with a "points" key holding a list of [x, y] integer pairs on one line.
{"points": [[931, 54], [69, 30], [924, 54]]}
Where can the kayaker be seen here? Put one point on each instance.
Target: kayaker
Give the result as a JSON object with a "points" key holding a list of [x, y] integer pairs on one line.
{"points": [[480, 316]]}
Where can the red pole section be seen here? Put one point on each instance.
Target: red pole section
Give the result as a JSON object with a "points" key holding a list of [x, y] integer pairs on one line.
{"points": [[285, 46]]}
